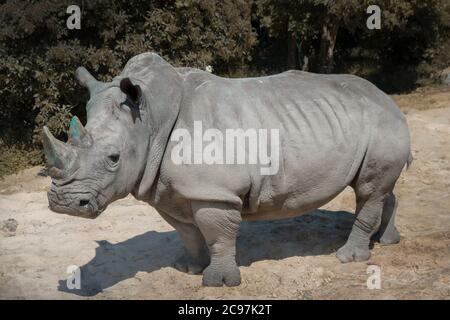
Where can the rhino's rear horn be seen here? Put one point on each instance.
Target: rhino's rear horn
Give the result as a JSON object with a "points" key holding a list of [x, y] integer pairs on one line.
{"points": [[85, 78], [78, 135], [57, 153]]}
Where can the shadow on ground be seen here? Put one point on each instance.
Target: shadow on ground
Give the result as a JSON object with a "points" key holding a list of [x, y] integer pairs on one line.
{"points": [[318, 233]]}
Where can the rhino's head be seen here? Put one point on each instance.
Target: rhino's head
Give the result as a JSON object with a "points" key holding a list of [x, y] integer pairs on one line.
{"points": [[120, 149]]}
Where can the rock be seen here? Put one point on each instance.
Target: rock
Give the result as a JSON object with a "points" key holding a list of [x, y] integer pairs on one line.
{"points": [[8, 227]]}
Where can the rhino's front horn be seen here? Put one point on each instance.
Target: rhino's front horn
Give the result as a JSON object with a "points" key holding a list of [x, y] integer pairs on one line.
{"points": [[58, 154], [85, 78], [78, 135]]}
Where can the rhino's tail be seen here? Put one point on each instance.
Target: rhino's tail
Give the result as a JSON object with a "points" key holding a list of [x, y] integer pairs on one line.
{"points": [[409, 161]]}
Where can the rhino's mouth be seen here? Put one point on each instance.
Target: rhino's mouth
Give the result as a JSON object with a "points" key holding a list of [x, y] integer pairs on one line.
{"points": [[80, 204]]}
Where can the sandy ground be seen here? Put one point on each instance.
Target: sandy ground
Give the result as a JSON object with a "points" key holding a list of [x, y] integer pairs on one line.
{"points": [[128, 252]]}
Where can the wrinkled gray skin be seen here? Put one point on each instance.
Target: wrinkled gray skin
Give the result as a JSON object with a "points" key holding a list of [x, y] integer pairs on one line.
{"points": [[335, 131]]}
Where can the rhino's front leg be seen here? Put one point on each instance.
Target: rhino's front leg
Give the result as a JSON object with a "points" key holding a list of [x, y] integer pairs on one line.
{"points": [[219, 224], [196, 259]]}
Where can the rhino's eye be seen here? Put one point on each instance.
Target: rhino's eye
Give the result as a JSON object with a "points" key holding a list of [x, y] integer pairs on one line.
{"points": [[113, 158]]}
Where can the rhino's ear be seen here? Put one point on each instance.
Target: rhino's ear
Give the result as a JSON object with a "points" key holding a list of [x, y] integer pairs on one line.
{"points": [[132, 91]]}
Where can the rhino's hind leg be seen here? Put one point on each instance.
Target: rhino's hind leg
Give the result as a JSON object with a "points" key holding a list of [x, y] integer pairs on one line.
{"points": [[195, 260], [373, 184], [219, 224], [368, 218], [388, 233]]}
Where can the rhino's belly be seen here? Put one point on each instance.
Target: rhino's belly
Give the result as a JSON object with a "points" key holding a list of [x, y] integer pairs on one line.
{"points": [[273, 215], [292, 205]]}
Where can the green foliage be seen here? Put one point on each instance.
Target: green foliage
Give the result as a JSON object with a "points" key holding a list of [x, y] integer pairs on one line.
{"points": [[334, 36], [437, 56], [17, 157], [390, 57]]}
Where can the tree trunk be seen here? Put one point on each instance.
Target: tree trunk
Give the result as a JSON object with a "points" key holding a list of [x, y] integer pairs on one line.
{"points": [[327, 44], [292, 54]]}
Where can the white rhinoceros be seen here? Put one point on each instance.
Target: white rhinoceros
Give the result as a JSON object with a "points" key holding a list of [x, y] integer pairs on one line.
{"points": [[326, 132]]}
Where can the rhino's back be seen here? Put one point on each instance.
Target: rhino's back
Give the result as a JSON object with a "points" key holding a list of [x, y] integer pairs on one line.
{"points": [[288, 93]]}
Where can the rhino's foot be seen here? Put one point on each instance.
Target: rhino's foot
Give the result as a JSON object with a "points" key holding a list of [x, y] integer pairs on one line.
{"points": [[189, 265], [217, 275], [351, 252], [391, 236]]}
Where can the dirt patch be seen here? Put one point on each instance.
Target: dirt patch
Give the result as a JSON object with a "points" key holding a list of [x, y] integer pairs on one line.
{"points": [[129, 251], [32, 179], [424, 98], [8, 227]]}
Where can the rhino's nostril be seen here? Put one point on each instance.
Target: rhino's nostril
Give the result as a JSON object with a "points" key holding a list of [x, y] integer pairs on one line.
{"points": [[84, 202]]}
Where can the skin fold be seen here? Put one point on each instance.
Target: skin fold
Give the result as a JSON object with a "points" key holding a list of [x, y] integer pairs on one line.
{"points": [[334, 131]]}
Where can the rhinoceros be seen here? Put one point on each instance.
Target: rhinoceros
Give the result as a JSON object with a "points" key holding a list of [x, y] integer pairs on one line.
{"points": [[333, 131]]}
